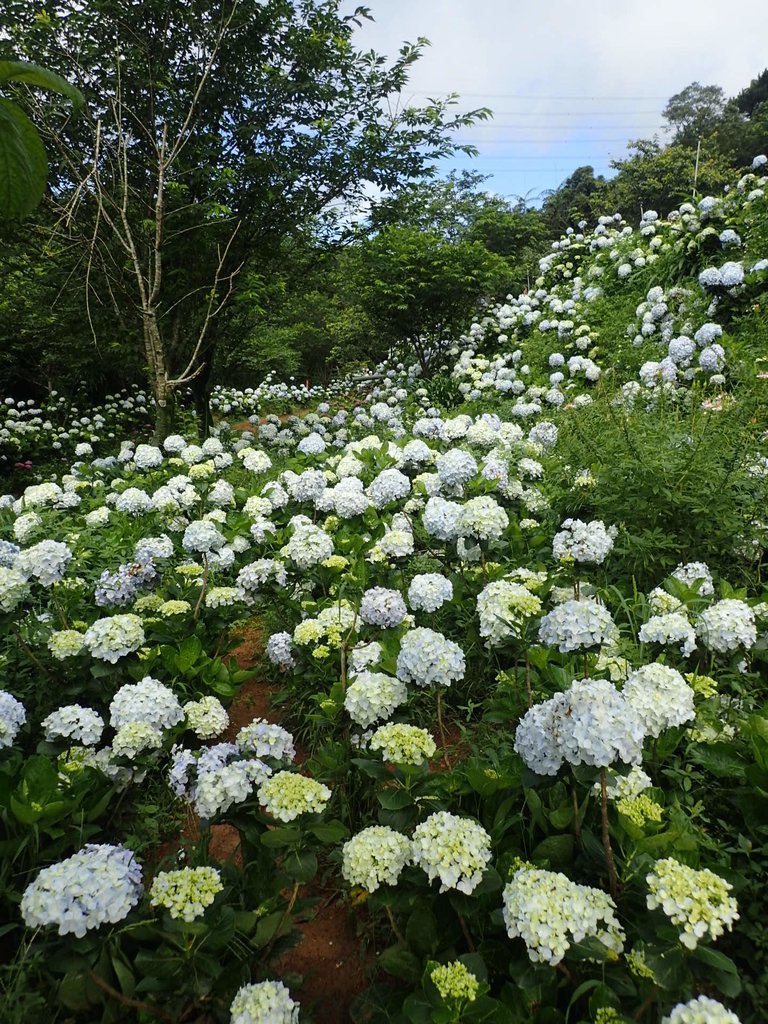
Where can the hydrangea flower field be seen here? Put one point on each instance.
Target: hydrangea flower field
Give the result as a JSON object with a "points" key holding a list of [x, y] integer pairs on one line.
{"points": [[514, 628]]}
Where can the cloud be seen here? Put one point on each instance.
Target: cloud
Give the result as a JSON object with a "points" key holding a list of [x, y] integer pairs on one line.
{"points": [[570, 83]]}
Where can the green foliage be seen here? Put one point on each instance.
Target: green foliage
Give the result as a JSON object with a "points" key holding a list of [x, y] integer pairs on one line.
{"points": [[23, 164]]}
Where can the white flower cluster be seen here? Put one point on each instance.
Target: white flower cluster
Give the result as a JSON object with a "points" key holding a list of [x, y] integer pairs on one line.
{"points": [[382, 607], [403, 744], [309, 545], [388, 486], [701, 1010], [149, 701], [373, 695], [96, 886], [550, 912], [456, 467], [287, 795], [482, 518], [212, 779], [691, 572], [503, 607], [113, 637], [727, 625], [583, 542], [376, 856], [187, 892], [268, 1002], [455, 850], [46, 561], [13, 588], [660, 697], [280, 650], [65, 643], [429, 591], [590, 723], [12, 716], [440, 518], [261, 738], [73, 722], [206, 717], [134, 738], [671, 628], [577, 625], [697, 900], [428, 658], [202, 536]]}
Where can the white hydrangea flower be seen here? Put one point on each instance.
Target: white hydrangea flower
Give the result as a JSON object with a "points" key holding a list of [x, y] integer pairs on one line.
{"points": [[149, 701], [456, 467], [482, 518], [696, 900], [268, 1002], [441, 517], [428, 658], [503, 607], [13, 588], [261, 738], [134, 738], [46, 561], [671, 628], [74, 722], [374, 857], [99, 885], [202, 536], [280, 650], [309, 545], [660, 696], [455, 850], [727, 625], [114, 637], [373, 695], [583, 542], [390, 485], [550, 912], [701, 1010], [382, 607], [12, 716], [577, 625], [429, 591], [206, 717], [690, 572], [287, 795], [590, 723]]}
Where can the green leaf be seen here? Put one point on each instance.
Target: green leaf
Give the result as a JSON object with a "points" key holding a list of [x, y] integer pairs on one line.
{"points": [[720, 759], [720, 970], [394, 799], [558, 850], [23, 163], [41, 78], [300, 865], [189, 651], [421, 932], [330, 831], [401, 964], [278, 837]]}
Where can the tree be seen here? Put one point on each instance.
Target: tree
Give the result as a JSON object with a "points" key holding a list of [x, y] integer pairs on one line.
{"points": [[694, 112], [657, 177], [578, 198], [216, 130], [421, 290], [754, 95]]}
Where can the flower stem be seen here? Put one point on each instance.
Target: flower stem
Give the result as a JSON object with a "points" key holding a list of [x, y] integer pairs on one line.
{"points": [[442, 729], [613, 879]]}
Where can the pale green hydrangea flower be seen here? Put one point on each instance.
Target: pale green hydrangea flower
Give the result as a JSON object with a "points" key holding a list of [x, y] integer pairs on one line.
{"points": [[287, 795], [697, 900], [187, 892]]}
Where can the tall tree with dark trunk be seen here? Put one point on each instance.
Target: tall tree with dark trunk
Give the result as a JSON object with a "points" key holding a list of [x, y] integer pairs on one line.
{"points": [[215, 129]]}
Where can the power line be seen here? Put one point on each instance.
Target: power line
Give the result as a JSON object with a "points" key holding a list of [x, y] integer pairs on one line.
{"points": [[533, 96]]}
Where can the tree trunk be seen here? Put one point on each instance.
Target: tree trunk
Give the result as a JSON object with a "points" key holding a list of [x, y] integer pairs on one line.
{"points": [[165, 403]]}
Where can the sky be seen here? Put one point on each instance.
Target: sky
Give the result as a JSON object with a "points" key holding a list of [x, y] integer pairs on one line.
{"points": [[569, 83]]}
